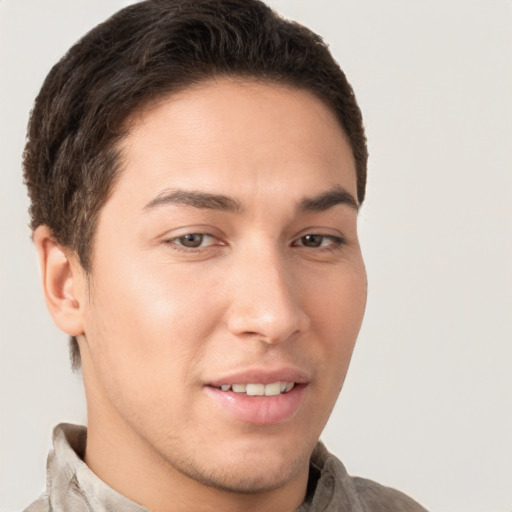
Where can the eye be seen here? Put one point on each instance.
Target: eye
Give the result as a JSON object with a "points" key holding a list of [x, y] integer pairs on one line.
{"points": [[319, 241], [193, 240]]}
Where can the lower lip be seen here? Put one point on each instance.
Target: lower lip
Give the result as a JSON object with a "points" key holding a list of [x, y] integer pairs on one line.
{"points": [[260, 410]]}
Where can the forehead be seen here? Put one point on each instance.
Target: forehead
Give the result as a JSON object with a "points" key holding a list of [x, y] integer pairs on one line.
{"points": [[239, 136]]}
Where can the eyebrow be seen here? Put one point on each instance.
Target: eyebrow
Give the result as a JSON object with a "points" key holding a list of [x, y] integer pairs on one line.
{"points": [[205, 200], [196, 199], [326, 200]]}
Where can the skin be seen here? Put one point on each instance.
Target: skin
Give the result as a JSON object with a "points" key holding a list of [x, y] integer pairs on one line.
{"points": [[157, 321]]}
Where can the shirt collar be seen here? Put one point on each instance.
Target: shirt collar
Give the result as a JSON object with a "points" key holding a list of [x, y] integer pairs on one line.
{"points": [[71, 485]]}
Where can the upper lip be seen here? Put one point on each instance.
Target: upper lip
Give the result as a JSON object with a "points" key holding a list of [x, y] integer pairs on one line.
{"points": [[262, 376]]}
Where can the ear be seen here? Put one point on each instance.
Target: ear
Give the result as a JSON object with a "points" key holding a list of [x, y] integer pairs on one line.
{"points": [[64, 282]]}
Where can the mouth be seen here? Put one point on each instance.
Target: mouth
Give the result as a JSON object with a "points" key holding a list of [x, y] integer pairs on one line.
{"points": [[260, 397], [258, 389]]}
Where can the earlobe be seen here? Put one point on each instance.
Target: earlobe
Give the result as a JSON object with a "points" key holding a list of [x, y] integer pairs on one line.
{"points": [[63, 282]]}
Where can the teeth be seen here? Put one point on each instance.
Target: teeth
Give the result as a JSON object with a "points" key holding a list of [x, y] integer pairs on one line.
{"points": [[255, 389], [272, 389]]}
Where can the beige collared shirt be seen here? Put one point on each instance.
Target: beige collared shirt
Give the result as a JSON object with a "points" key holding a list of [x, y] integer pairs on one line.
{"points": [[73, 487]]}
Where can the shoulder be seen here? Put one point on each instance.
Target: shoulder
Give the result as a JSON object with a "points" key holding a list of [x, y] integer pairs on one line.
{"points": [[40, 505], [335, 489], [376, 497]]}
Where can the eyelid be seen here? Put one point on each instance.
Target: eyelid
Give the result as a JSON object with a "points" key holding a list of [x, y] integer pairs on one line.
{"points": [[204, 235], [327, 232], [336, 240], [171, 240], [179, 231]]}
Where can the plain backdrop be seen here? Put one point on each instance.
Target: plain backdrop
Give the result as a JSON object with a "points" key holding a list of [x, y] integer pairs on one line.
{"points": [[427, 405]]}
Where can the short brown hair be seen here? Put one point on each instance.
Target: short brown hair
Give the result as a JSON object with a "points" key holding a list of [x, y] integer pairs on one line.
{"points": [[145, 51]]}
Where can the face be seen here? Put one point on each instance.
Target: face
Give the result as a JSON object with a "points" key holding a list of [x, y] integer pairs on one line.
{"points": [[227, 286]]}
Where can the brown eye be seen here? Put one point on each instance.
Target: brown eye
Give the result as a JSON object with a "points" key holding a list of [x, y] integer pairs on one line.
{"points": [[191, 240], [312, 240]]}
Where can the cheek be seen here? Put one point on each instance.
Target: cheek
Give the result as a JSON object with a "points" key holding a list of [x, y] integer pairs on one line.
{"points": [[154, 299], [337, 309], [145, 332], [338, 302]]}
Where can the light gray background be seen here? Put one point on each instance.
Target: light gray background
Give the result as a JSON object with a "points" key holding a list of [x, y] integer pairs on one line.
{"points": [[427, 406]]}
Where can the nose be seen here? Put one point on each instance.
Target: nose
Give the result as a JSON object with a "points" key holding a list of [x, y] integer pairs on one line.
{"points": [[265, 301]]}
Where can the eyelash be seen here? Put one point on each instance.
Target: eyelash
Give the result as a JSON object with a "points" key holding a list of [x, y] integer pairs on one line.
{"points": [[176, 242], [178, 246], [335, 241]]}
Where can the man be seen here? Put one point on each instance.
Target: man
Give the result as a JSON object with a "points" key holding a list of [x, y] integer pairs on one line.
{"points": [[195, 169]]}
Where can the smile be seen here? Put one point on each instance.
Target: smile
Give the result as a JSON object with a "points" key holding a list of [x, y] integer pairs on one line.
{"points": [[272, 389], [257, 403]]}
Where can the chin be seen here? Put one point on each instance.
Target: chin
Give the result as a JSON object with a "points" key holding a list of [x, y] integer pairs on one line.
{"points": [[248, 467], [252, 476]]}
